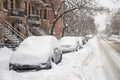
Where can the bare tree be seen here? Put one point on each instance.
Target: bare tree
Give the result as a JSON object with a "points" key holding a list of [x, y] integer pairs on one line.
{"points": [[81, 26], [72, 6]]}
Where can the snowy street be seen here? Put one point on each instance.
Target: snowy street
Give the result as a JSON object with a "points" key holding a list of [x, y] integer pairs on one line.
{"points": [[97, 60], [59, 39], [112, 56]]}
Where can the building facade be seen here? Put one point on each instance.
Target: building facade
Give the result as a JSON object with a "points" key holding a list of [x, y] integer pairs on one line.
{"points": [[51, 17], [22, 18]]}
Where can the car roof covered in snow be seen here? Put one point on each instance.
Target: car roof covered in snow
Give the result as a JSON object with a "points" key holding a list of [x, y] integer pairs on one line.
{"points": [[68, 40]]}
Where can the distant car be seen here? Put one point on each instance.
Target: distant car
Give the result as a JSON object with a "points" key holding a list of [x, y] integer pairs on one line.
{"points": [[89, 36], [84, 41], [69, 44], [36, 53]]}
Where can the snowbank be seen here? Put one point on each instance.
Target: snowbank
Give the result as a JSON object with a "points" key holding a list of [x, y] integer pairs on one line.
{"points": [[86, 64], [5, 52]]}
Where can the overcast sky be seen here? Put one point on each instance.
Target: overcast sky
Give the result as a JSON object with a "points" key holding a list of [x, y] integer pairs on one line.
{"points": [[100, 19]]}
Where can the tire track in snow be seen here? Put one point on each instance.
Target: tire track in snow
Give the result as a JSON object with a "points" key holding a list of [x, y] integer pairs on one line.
{"points": [[110, 68], [92, 67]]}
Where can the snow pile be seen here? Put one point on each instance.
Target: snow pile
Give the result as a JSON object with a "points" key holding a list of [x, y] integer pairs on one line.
{"points": [[86, 64], [34, 50], [93, 65], [115, 38], [5, 53]]}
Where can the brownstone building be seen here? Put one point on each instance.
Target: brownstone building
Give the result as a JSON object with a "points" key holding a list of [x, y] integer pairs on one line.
{"points": [[22, 18]]}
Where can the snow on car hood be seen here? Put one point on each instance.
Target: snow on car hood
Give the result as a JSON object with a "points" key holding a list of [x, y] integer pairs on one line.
{"points": [[33, 50]]}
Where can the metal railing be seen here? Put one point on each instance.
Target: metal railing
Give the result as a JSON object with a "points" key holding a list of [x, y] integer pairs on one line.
{"points": [[4, 22]]}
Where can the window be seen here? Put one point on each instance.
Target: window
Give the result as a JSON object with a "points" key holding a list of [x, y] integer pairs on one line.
{"points": [[43, 1], [11, 1], [33, 10], [36, 11], [25, 8], [29, 9], [40, 12], [5, 3], [45, 14], [0, 6], [17, 4]]}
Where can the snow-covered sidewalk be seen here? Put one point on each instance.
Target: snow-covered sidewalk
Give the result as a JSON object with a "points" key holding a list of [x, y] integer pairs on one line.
{"points": [[86, 64]]}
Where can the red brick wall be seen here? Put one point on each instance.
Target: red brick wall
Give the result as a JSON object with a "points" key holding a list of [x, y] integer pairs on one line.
{"points": [[58, 25]]}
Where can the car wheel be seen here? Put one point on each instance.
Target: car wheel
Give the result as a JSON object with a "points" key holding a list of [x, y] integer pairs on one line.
{"points": [[60, 59], [53, 60]]}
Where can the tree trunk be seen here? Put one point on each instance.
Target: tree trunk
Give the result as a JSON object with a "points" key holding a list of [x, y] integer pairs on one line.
{"points": [[52, 29], [63, 32]]}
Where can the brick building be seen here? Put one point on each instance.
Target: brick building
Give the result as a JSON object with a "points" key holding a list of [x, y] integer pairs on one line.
{"points": [[58, 26], [22, 18]]}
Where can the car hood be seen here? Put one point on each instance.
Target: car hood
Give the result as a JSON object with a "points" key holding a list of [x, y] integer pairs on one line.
{"points": [[31, 56], [27, 59]]}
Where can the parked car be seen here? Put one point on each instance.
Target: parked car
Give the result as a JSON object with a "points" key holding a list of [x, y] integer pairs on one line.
{"points": [[69, 44], [89, 36], [36, 53], [84, 41]]}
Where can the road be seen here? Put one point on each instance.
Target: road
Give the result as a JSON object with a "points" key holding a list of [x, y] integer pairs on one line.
{"points": [[110, 51]]}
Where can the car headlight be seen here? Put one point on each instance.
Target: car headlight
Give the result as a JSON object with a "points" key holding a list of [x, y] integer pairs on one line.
{"points": [[42, 65]]}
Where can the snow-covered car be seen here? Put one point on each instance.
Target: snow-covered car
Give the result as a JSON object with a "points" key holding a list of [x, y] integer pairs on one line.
{"points": [[36, 53], [69, 43]]}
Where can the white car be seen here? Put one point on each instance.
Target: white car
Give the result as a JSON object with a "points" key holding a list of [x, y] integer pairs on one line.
{"points": [[69, 43], [36, 53]]}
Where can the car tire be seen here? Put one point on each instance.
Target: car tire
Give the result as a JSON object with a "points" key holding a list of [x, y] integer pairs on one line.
{"points": [[10, 66], [52, 60], [60, 59]]}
